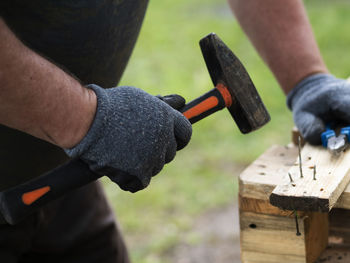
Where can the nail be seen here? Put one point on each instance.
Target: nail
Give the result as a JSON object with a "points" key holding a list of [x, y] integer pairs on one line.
{"points": [[290, 177], [300, 164], [296, 223], [315, 172]]}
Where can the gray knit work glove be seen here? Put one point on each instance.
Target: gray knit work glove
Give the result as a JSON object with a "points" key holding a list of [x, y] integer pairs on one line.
{"points": [[132, 136], [318, 100]]}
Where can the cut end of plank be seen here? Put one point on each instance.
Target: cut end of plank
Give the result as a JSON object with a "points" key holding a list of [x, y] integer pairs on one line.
{"points": [[310, 189], [306, 203]]}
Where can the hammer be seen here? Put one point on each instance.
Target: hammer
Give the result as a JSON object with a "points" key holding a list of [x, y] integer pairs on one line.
{"points": [[233, 90]]}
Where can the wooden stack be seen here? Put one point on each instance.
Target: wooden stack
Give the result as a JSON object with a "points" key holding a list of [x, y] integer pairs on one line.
{"points": [[268, 233]]}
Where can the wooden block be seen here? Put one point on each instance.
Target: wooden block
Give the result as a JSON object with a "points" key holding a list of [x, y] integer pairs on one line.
{"points": [[272, 239], [307, 194], [263, 226], [316, 227], [260, 207], [256, 184], [260, 178]]}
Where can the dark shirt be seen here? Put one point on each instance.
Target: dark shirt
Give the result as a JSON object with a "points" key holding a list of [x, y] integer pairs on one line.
{"points": [[91, 39]]}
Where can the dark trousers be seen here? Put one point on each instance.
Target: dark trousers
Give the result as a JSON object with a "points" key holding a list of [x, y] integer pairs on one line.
{"points": [[79, 227]]}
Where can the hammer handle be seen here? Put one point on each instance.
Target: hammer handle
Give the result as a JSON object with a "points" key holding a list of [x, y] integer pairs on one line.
{"points": [[205, 105], [20, 201]]}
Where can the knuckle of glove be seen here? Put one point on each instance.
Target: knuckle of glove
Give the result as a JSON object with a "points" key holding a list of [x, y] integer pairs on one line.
{"points": [[310, 127], [313, 89], [339, 98], [128, 182], [146, 134], [183, 131]]}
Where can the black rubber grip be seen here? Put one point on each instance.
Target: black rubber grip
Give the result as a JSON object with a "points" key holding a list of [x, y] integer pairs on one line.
{"points": [[201, 107], [44, 189]]}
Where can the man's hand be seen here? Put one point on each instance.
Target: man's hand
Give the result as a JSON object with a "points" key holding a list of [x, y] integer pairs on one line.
{"points": [[132, 136], [317, 100]]}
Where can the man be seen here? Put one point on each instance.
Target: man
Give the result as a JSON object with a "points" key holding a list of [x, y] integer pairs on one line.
{"points": [[124, 133]]}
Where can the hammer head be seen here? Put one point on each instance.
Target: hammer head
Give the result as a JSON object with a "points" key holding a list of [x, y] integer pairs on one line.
{"points": [[247, 109]]}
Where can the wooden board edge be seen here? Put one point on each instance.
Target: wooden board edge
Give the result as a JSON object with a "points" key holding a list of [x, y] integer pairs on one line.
{"points": [[307, 203]]}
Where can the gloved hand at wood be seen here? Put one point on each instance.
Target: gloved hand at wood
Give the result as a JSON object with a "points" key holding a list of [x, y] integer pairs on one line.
{"points": [[318, 100], [132, 136]]}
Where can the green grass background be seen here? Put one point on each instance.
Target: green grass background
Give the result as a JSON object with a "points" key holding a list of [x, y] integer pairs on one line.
{"points": [[166, 60]]}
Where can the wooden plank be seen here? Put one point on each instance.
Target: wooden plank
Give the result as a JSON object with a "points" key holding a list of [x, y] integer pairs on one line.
{"points": [[316, 227], [260, 178], [307, 194], [344, 199], [263, 207], [271, 239], [259, 217]]}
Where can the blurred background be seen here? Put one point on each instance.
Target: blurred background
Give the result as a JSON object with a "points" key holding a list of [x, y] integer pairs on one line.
{"points": [[189, 211]]}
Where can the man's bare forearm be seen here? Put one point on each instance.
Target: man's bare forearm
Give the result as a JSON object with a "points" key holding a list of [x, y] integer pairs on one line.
{"points": [[282, 34], [39, 98]]}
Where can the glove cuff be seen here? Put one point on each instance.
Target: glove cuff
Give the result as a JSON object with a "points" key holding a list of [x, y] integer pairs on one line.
{"points": [[98, 123], [304, 84]]}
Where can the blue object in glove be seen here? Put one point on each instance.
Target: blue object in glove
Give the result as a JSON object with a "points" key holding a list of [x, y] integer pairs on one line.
{"points": [[326, 135], [346, 131]]}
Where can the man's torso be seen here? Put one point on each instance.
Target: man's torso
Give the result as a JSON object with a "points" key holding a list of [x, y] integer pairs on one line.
{"points": [[91, 39]]}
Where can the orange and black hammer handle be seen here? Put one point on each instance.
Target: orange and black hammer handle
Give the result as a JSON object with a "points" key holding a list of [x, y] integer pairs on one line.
{"points": [[22, 200], [18, 202], [213, 101]]}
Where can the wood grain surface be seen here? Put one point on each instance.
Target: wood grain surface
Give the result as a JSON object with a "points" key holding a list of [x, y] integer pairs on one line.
{"points": [[260, 178], [309, 193]]}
